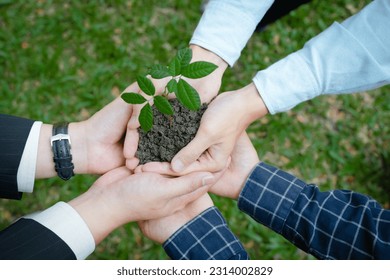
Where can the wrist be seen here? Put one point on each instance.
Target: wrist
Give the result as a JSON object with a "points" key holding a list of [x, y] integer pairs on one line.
{"points": [[252, 105], [202, 54], [45, 164], [94, 209], [79, 147]]}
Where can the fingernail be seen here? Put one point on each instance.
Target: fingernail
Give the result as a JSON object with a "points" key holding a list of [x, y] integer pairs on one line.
{"points": [[208, 180], [177, 166]]}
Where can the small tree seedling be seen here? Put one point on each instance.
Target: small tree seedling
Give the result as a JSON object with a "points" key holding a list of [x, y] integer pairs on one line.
{"points": [[185, 93]]}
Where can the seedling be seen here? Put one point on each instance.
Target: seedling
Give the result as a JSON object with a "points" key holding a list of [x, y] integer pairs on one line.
{"points": [[185, 93]]}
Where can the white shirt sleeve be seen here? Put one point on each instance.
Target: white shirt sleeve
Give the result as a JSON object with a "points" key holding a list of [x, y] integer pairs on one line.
{"points": [[349, 57], [65, 222], [226, 26], [26, 171]]}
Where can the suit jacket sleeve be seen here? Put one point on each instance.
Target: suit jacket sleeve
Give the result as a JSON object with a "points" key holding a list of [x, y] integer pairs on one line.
{"points": [[57, 233], [27, 239], [14, 132]]}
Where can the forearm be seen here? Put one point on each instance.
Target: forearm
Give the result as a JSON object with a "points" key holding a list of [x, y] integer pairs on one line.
{"points": [[15, 134], [345, 58], [330, 225], [55, 233]]}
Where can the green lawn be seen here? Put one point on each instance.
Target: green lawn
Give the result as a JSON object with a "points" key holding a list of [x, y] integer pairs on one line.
{"points": [[64, 60]]}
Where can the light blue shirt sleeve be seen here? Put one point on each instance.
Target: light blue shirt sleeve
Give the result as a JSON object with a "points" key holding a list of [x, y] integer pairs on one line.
{"points": [[226, 26], [349, 57]]}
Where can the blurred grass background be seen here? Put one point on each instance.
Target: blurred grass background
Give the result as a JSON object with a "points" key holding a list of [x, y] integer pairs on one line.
{"points": [[64, 60]]}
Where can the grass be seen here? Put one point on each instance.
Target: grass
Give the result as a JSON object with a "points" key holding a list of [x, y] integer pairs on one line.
{"points": [[64, 61]]}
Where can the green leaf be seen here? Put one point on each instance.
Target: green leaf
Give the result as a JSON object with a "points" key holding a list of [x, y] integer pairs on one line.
{"points": [[146, 85], [146, 118], [163, 105], [187, 95], [159, 71], [133, 98], [198, 69], [184, 56], [172, 86], [175, 67]]}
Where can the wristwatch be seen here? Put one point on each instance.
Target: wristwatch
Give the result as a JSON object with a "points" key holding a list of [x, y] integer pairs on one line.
{"points": [[61, 145]]}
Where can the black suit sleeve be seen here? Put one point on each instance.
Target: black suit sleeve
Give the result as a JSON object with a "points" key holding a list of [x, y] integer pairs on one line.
{"points": [[14, 132], [27, 239]]}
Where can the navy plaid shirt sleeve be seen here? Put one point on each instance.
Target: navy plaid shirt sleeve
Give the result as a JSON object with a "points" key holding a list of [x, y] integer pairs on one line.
{"points": [[206, 237], [337, 224]]}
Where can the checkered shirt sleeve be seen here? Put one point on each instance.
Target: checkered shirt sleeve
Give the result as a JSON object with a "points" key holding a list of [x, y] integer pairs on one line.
{"points": [[337, 224], [206, 237]]}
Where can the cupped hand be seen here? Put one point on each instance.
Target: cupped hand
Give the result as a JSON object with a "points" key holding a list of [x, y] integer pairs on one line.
{"points": [[147, 196], [221, 125], [97, 143], [119, 197], [161, 229], [207, 87]]}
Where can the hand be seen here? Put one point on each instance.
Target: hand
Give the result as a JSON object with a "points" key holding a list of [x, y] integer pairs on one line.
{"points": [[161, 229], [243, 159], [96, 144], [221, 125], [119, 197], [207, 87]]}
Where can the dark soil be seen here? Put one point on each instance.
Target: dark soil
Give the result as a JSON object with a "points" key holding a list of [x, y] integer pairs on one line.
{"points": [[169, 133]]}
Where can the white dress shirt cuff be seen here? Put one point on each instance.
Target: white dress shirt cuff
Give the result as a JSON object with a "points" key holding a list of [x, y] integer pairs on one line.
{"points": [[65, 222], [28, 162], [226, 26]]}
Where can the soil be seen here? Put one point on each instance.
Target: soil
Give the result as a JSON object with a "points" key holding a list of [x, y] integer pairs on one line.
{"points": [[169, 134]]}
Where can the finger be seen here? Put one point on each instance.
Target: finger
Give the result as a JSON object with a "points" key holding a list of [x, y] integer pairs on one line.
{"points": [[190, 153], [213, 160], [159, 167], [132, 88], [186, 184], [132, 164], [131, 143], [114, 175], [138, 169], [204, 163], [184, 200]]}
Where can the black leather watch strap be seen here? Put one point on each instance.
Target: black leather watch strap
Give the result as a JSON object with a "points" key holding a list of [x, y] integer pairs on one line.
{"points": [[60, 142]]}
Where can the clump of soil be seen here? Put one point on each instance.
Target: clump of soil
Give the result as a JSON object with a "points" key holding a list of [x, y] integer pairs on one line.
{"points": [[169, 133]]}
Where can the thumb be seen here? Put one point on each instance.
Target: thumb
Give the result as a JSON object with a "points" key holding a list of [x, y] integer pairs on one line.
{"points": [[131, 143], [133, 122], [191, 182], [190, 153]]}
